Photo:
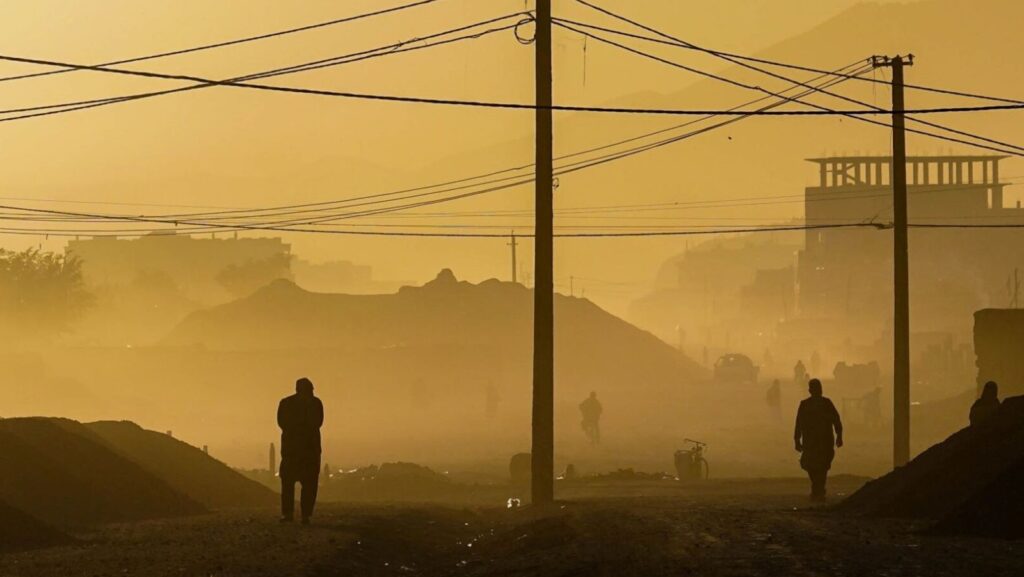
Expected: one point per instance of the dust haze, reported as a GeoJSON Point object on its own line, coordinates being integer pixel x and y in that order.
{"type": "Point", "coordinates": [173, 265]}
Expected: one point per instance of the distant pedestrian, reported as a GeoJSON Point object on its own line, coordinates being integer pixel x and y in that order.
{"type": "Point", "coordinates": [300, 417]}
{"type": "Point", "coordinates": [986, 405]}
{"type": "Point", "coordinates": [815, 421]}
{"type": "Point", "coordinates": [591, 410]}
{"type": "Point", "coordinates": [799, 373]}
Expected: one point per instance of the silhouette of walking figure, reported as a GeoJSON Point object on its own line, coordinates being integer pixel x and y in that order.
{"type": "Point", "coordinates": [591, 411]}
{"type": "Point", "coordinates": [986, 405]}
{"type": "Point", "coordinates": [815, 420]}
{"type": "Point", "coordinates": [300, 417]}
{"type": "Point", "coordinates": [799, 372]}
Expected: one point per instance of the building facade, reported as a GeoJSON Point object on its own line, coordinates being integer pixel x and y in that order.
{"type": "Point", "coordinates": [846, 273]}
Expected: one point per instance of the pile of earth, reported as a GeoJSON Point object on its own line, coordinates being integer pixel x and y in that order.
{"type": "Point", "coordinates": [390, 481]}
{"type": "Point", "coordinates": [628, 475]}
{"type": "Point", "coordinates": [71, 475]}
{"type": "Point", "coordinates": [481, 326]}
{"type": "Point", "coordinates": [185, 468]}
{"type": "Point", "coordinates": [20, 531]}
{"type": "Point", "coordinates": [971, 483]}
{"type": "Point", "coordinates": [58, 471]}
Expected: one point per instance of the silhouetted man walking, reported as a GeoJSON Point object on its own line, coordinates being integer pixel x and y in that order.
{"type": "Point", "coordinates": [815, 421]}
{"type": "Point", "coordinates": [591, 410]}
{"type": "Point", "coordinates": [300, 417]}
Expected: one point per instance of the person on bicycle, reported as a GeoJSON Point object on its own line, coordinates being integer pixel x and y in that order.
{"type": "Point", "coordinates": [816, 418]}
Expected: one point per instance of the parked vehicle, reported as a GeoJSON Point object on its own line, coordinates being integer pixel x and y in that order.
{"type": "Point", "coordinates": [735, 368]}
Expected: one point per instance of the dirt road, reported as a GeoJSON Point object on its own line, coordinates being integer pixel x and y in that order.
{"type": "Point", "coordinates": [725, 528]}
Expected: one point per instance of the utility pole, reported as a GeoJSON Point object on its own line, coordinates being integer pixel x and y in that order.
{"type": "Point", "coordinates": [901, 274]}
{"type": "Point", "coordinates": [512, 243]}
{"type": "Point", "coordinates": [542, 487]}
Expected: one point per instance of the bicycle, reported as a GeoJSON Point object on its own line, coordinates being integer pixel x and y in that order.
{"type": "Point", "coordinates": [690, 463]}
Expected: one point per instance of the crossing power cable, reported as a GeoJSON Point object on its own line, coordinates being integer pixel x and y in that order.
{"type": "Point", "coordinates": [582, 165]}
{"type": "Point", "coordinates": [388, 209]}
{"type": "Point", "coordinates": [404, 46]}
{"type": "Point", "coordinates": [496, 104]}
{"type": "Point", "coordinates": [484, 175]}
{"type": "Point", "coordinates": [234, 214]}
{"type": "Point", "coordinates": [461, 180]}
{"type": "Point", "coordinates": [720, 53]}
{"type": "Point", "coordinates": [1018, 152]}
{"type": "Point", "coordinates": [568, 24]}
{"type": "Point", "coordinates": [562, 170]}
{"type": "Point", "coordinates": [236, 41]}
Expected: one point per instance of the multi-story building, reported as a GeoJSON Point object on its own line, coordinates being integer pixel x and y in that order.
{"type": "Point", "coordinates": [845, 274]}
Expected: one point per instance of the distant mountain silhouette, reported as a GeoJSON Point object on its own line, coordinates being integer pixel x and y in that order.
{"type": "Point", "coordinates": [477, 320]}
{"type": "Point", "coordinates": [60, 472]}
{"type": "Point", "coordinates": [21, 531]}
{"type": "Point", "coordinates": [185, 468]}
{"type": "Point", "coordinates": [957, 43]}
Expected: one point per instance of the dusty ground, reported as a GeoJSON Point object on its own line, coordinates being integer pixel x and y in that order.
{"type": "Point", "coordinates": [722, 528]}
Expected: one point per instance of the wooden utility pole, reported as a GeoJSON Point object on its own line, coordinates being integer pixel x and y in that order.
{"type": "Point", "coordinates": [512, 243]}
{"type": "Point", "coordinates": [901, 273]}
{"type": "Point", "coordinates": [543, 450]}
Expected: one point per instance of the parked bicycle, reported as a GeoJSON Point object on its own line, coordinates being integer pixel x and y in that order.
{"type": "Point", "coordinates": [690, 462]}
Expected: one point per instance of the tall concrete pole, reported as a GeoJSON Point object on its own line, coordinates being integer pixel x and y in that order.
{"type": "Point", "coordinates": [543, 450]}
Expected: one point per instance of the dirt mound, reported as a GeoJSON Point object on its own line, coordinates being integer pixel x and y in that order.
{"type": "Point", "coordinates": [58, 471]}
{"type": "Point", "coordinates": [185, 468]}
{"type": "Point", "coordinates": [391, 481]}
{"type": "Point", "coordinates": [971, 481]}
{"type": "Point", "coordinates": [995, 511]}
{"type": "Point", "coordinates": [20, 531]}
{"type": "Point", "coordinates": [472, 328]}
{"type": "Point", "coordinates": [628, 475]}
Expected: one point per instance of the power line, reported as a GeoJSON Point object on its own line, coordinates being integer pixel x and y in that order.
{"type": "Point", "coordinates": [562, 157]}
{"type": "Point", "coordinates": [80, 217]}
{"type": "Point", "coordinates": [486, 175]}
{"type": "Point", "coordinates": [233, 42]}
{"type": "Point", "coordinates": [277, 211]}
{"type": "Point", "coordinates": [576, 166]}
{"type": "Point", "coordinates": [565, 23]}
{"type": "Point", "coordinates": [681, 43]}
{"type": "Point", "coordinates": [582, 165]}
{"type": "Point", "coordinates": [644, 233]}
{"type": "Point", "coordinates": [811, 69]}
{"type": "Point", "coordinates": [498, 105]}
{"type": "Point", "coordinates": [380, 51]}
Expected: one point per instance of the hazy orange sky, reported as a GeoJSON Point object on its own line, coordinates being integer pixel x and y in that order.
{"type": "Point", "coordinates": [234, 147]}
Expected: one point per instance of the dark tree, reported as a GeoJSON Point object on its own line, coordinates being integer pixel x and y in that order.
{"type": "Point", "coordinates": [41, 293]}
